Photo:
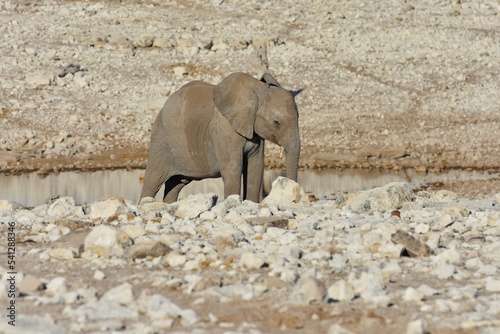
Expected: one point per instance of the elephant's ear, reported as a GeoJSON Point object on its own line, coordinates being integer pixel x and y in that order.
{"type": "Point", "coordinates": [236, 100]}
{"type": "Point", "coordinates": [269, 79]}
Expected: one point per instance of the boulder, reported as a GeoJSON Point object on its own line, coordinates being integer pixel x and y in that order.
{"type": "Point", "coordinates": [106, 241]}
{"type": "Point", "coordinates": [389, 197]}
{"type": "Point", "coordinates": [194, 205]}
{"type": "Point", "coordinates": [107, 209]}
{"type": "Point", "coordinates": [62, 207]}
{"type": "Point", "coordinates": [287, 193]}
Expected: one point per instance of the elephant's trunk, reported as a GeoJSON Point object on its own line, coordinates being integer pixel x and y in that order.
{"type": "Point", "coordinates": [292, 154]}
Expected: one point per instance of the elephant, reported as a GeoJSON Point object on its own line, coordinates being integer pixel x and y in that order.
{"type": "Point", "coordinates": [209, 131]}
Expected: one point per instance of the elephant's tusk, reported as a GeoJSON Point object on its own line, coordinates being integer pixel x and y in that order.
{"type": "Point", "coordinates": [282, 150]}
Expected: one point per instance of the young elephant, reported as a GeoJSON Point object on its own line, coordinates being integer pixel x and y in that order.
{"type": "Point", "coordinates": [207, 131]}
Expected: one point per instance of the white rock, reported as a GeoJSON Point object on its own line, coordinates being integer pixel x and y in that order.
{"type": "Point", "coordinates": [389, 197]}
{"type": "Point", "coordinates": [412, 295]}
{"type": "Point", "coordinates": [444, 271]}
{"type": "Point", "coordinates": [56, 287]}
{"type": "Point", "coordinates": [81, 296]}
{"type": "Point", "coordinates": [62, 207]}
{"type": "Point", "coordinates": [32, 324]}
{"type": "Point", "coordinates": [107, 209]}
{"type": "Point", "coordinates": [134, 231]}
{"type": "Point", "coordinates": [159, 307]}
{"type": "Point", "coordinates": [121, 294]}
{"type": "Point", "coordinates": [415, 327]}
{"type": "Point", "coordinates": [422, 228]}
{"type": "Point", "coordinates": [106, 241]}
{"type": "Point", "coordinates": [338, 262]}
{"type": "Point", "coordinates": [337, 329]}
{"type": "Point", "coordinates": [251, 261]}
{"type": "Point", "coordinates": [99, 275]}
{"type": "Point", "coordinates": [180, 71]}
{"type": "Point", "coordinates": [62, 253]}
{"type": "Point", "coordinates": [427, 291]}
{"type": "Point", "coordinates": [309, 290]}
{"type": "Point", "coordinates": [446, 220]}
{"type": "Point", "coordinates": [40, 79]}
{"type": "Point", "coordinates": [104, 310]}
{"type": "Point", "coordinates": [341, 291]}
{"type": "Point", "coordinates": [492, 285]}
{"type": "Point", "coordinates": [194, 205]}
{"type": "Point", "coordinates": [287, 193]}
{"type": "Point", "coordinates": [449, 256]}
{"type": "Point", "coordinates": [174, 259]}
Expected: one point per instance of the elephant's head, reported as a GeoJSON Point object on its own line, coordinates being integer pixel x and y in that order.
{"type": "Point", "coordinates": [264, 108]}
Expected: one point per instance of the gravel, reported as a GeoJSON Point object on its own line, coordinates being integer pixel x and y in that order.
{"type": "Point", "coordinates": [209, 265]}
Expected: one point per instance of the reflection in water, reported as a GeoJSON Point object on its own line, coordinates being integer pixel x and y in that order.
{"type": "Point", "coordinates": [31, 190]}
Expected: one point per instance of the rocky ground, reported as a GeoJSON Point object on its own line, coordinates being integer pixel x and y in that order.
{"type": "Point", "coordinates": [385, 260]}
{"type": "Point", "coordinates": [392, 84]}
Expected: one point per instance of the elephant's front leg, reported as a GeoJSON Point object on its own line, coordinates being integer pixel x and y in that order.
{"type": "Point", "coordinates": [253, 174]}
{"type": "Point", "coordinates": [231, 167]}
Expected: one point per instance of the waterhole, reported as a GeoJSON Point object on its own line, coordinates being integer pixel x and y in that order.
{"type": "Point", "coordinates": [31, 189]}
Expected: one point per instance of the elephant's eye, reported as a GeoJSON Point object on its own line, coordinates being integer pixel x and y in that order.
{"type": "Point", "coordinates": [276, 124]}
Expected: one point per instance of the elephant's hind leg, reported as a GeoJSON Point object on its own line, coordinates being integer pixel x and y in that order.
{"type": "Point", "coordinates": [154, 178]}
{"type": "Point", "coordinates": [173, 187]}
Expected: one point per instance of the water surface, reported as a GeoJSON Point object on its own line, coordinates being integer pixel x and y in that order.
{"type": "Point", "coordinates": [31, 189]}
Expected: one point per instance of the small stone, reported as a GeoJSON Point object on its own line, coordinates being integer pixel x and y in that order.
{"type": "Point", "coordinates": [33, 324]}
{"type": "Point", "coordinates": [337, 329]}
{"type": "Point", "coordinates": [105, 310]}
{"type": "Point", "coordinates": [415, 327]}
{"type": "Point", "coordinates": [174, 259]}
{"type": "Point", "coordinates": [133, 230]}
{"type": "Point", "coordinates": [492, 285]}
{"type": "Point", "coordinates": [30, 284]}
{"type": "Point", "coordinates": [62, 207]}
{"type": "Point", "coordinates": [99, 275]}
{"type": "Point", "coordinates": [413, 246]}
{"type": "Point", "coordinates": [412, 295]}
{"type": "Point", "coordinates": [40, 79]}
{"type": "Point", "coordinates": [121, 294]}
{"type": "Point", "coordinates": [153, 249]}
{"type": "Point", "coordinates": [422, 228]}
{"type": "Point", "coordinates": [107, 242]}
{"type": "Point", "coordinates": [309, 290]}
{"type": "Point", "coordinates": [341, 291]}
{"type": "Point", "coordinates": [446, 220]}
{"type": "Point", "coordinates": [159, 307]}
{"type": "Point", "coordinates": [62, 253]}
{"type": "Point", "coordinates": [273, 221]}
{"type": "Point", "coordinates": [56, 287]}
{"type": "Point", "coordinates": [180, 71]}
{"type": "Point", "coordinates": [250, 261]}
{"type": "Point", "coordinates": [444, 272]}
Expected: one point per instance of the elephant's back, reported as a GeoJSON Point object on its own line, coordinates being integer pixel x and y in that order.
{"type": "Point", "coordinates": [191, 99]}
{"type": "Point", "coordinates": [184, 126]}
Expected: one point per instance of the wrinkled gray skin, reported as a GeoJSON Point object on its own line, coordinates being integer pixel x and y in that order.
{"type": "Point", "coordinates": [207, 131]}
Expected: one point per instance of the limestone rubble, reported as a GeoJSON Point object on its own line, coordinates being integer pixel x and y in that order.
{"type": "Point", "coordinates": [197, 268]}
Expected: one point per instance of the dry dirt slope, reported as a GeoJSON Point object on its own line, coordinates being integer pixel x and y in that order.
{"type": "Point", "coordinates": [386, 84]}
